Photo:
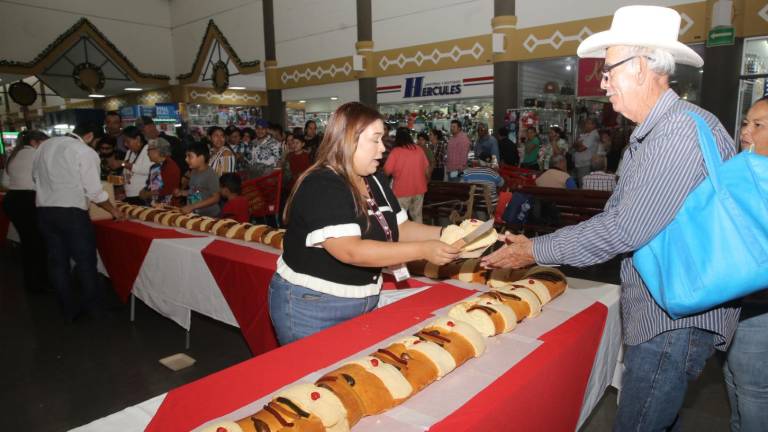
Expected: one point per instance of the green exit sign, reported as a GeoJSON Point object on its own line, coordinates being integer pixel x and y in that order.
{"type": "Point", "coordinates": [721, 36]}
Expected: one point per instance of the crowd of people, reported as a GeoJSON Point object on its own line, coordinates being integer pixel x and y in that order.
{"type": "Point", "coordinates": [59, 181]}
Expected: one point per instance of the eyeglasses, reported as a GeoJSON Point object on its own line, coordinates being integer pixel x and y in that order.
{"type": "Point", "coordinates": [608, 68]}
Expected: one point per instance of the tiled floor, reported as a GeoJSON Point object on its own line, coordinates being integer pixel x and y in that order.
{"type": "Point", "coordinates": [56, 376]}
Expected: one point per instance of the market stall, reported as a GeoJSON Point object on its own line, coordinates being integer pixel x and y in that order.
{"type": "Point", "coordinates": [432, 99]}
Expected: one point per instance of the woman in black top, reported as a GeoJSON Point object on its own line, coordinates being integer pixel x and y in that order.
{"type": "Point", "coordinates": [344, 226]}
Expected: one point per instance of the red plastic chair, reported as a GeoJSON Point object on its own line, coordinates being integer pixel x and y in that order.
{"type": "Point", "coordinates": [263, 195]}
{"type": "Point", "coordinates": [515, 176]}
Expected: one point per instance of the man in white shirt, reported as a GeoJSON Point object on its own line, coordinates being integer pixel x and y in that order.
{"type": "Point", "coordinates": [584, 148]}
{"type": "Point", "coordinates": [66, 174]}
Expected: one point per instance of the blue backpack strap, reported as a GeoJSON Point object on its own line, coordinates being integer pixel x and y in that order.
{"type": "Point", "coordinates": [708, 147]}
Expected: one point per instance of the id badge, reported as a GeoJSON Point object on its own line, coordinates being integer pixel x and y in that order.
{"type": "Point", "coordinates": [400, 272]}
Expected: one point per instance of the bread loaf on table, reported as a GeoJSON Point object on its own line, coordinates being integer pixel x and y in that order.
{"type": "Point", "coordinates": [256, 233]}
{"type": "Point", "coordinates": [237, 232]}
{"type": "Point", "coordinates": [274, 238]}
{"type": "Point", "coordinates": [200, 223]}
{"type": "Point", "coordinates": [424, 268]}
{"type": "Point", "coordinates": [367, 387]}
{"type": "Point", "coordinates": [343, 385]}
{"type": "Point", "coordinates": [540, 290]}
{"type": "Point", "coordinates": [553, 279]}
{"type": "Point", "coordinates": [526, 295]}
{"type": "Point", "coordinates": [221, 226]}
{"type": "Point", "coordinates": [421, 362]}
{"type": "Point", "coordinates": [518, 306]}
{"type": "Point", "coordinates": [193, 222]}
{"type": "Point", "coordinates": [147, 213]}
{"type": "Point", "coordinates": [169, 218]}
{"type": "Point", "coordinates": [467, 270]}
{"type": "Point", "coordinates": [490, 317]}
{"type": "Point", "coordinates": [394, 381]}
{"type": "Point", "coordinates": [416, 367]}
{"type": "Point", "coordinates": [377, 385]}
{"type": "Point", "coordinates": [453, 233]}
{"type": "Point", "coordinates": [471, 271]}
{"type": "Point", "coordinates": [182, 220]}
{"type": "Point", "coordinates": [301, 407]}
{"type": "Point", "coordinates": [503, 277]}
{"type": "Point", "coordinates": [158, 217]}
{"type": "Point", "coordinates": [460, 339]}
{"type": "Point", "coordinates": [135, 211]}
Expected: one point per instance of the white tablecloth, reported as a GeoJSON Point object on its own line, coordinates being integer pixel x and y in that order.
{"type": "Point", "coordinates": [174, 279]}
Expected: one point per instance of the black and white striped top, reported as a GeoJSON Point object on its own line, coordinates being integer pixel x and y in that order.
{"type": "Point", "coordinates": [324, 207]}
{"type": "Point", "coordinates": [662, 165]}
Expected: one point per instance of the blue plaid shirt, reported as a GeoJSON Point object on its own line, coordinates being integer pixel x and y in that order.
{"type": "Point", "coordinates": [244, 150]}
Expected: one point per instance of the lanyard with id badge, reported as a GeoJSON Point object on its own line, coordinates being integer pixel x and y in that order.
{"type": "Point", "coordinates": [400, 271]}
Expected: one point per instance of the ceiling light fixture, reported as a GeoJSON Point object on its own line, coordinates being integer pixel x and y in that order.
{"type": "Point", "coordinates": [133, 89]}
{"type": "Point", "coordinates": [568, 67]}
{"type": "Point", "coordinates": [236, 88]}
{"type": "Point", "coordinates": [97, 96]}
{"type": "Point", "coordinates": [302, 101]}
{"type": "Point", "coordinates": [334, 98]}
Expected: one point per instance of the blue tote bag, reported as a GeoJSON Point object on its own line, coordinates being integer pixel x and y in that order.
{"type": "Point", "coordinates": [716, 248]}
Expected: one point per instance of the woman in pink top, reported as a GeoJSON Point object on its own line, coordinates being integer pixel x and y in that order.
{"type": "Point", "coordinates": [409, 168]}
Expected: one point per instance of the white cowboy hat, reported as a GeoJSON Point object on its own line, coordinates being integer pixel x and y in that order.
{"type": "Point", "coordinates": [645, 26]}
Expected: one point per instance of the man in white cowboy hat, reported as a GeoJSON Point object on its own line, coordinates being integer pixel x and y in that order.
{"type": "Point", "coordinates": [663, 164]}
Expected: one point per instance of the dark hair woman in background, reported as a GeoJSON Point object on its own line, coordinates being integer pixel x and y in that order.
{"type": "Point", "coordinates": [311, 138]}
{"type": "Point", "coordinates": [19, 205]}
{"type": "Point", "coordinates": [136, 164]}
{"type": "Point", "coordinates": [222, 159]}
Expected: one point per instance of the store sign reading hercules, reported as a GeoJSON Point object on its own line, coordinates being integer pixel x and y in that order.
{"type": "Point", "coordinates": [415, 87]}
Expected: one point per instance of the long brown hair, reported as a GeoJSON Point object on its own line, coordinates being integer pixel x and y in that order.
{"type": "Point", "coordinates": [24, 139]}
{"type": "Point", "coordinates": [338, 148]}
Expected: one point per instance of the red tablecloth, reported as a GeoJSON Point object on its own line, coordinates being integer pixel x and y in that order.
{"type": "Point", "coordinates": [243, 276]}
{"type": "Point", "coordinates": [4, 222]}
{"type": "Point", "coordinates": [122, 247]}
{"type": "Point", "coordinates": [390, 283]}
{"type": "Point", "coordinates": [549, 382]}
{"type": "Point", "coordinates": [548, 386]}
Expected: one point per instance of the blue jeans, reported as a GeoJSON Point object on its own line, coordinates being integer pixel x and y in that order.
{"type": "Point", "coordinates": [298, 312]}
{"type": "Point", "coordinates": [656, 379]}
{"type": "Point", "coordinates": [69, 235]}
{"type": "Point", "coordinates": [746, 374]}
